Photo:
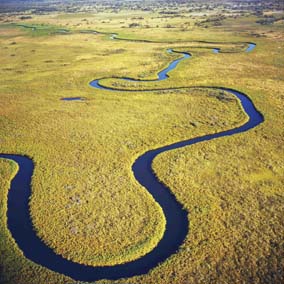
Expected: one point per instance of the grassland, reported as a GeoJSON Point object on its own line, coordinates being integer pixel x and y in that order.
{"type": "Point", "coordinates": [86, 204]}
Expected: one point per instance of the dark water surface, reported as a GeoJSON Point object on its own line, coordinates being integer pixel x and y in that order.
{"type": "Point", "coordinates": [73, 99]}
{"type": "Point", "coordinates": [177, 227]}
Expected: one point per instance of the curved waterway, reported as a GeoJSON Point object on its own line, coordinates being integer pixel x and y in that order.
{"type": "Point", "coordinates": [20, 223]}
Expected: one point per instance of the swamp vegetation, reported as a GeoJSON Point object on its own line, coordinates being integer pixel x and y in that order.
{"type": "Point", "coordinates": [85, 203]}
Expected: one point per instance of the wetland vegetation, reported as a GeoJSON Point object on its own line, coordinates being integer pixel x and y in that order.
{"type": "Point", "coordinates": [86, 204]}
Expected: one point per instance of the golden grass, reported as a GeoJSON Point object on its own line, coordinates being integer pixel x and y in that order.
{"type": "Point", "coordinates": [84, 194]}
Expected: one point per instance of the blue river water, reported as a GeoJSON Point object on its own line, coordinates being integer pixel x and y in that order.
{"type": "Point", "coordinates": [177, 225]}
{"type": "Point", "coordinates": [162, 75]}
{"type": "Point", "coordinates": [73, 99]}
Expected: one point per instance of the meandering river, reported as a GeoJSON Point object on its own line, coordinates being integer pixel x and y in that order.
{"type": "Point", "coordinates": [177, 225]}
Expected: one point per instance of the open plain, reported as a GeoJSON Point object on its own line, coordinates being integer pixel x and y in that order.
{"type": "Point", "coordinates": [86, 203]}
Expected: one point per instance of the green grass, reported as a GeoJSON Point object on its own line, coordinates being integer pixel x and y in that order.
{"type": "Point", "coordinates": [83, 191]}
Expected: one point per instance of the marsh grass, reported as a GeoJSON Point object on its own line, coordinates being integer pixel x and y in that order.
{"type": "Point", "coordinates": [85, 202]}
